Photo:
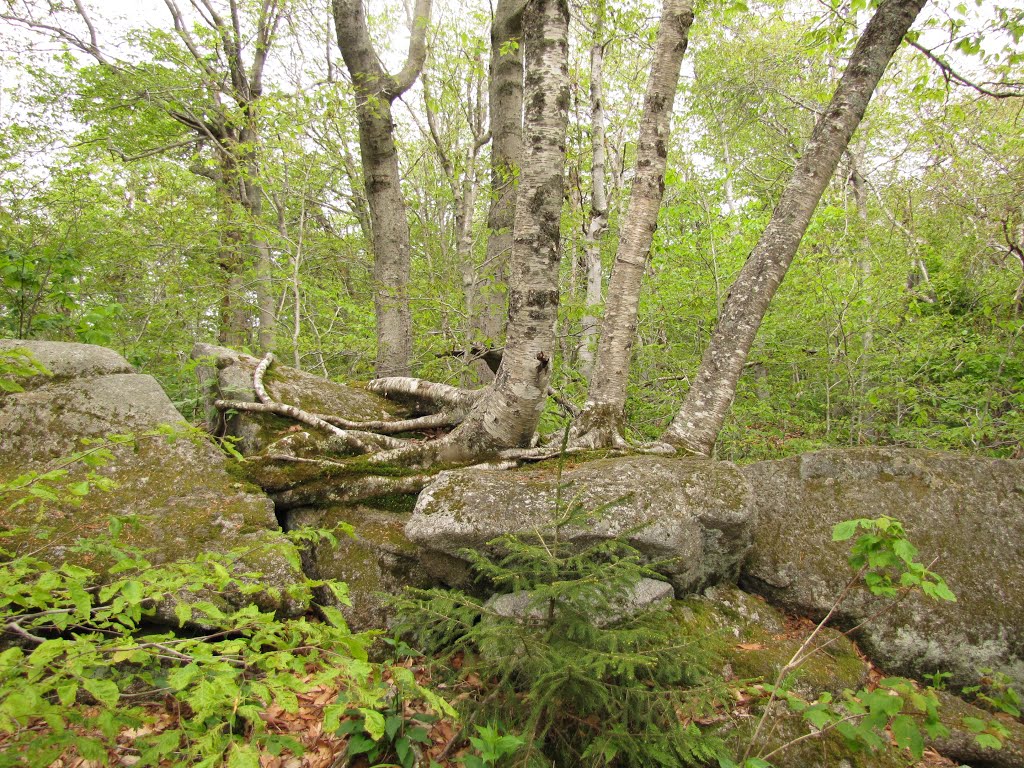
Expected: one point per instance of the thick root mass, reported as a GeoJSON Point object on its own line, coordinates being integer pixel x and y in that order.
{"type": "Point", "coordinates": [386, 464]}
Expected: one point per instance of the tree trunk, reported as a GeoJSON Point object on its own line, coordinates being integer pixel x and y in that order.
{"type": "Point", "coordinates": [598, 222]}
{"type": "Point", "coordinates": [375, 91]}
{"type": "Point", "coordinates": [508, 414]}
{"type": "Point", "coordinates": [600, 424]}
{"type": "Point", "coordinates": [696, 426]}
{"type": "Point", "coordinates": [505, 99]}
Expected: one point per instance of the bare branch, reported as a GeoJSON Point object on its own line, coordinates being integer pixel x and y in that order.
{"type": "Point", "coordinates": [951, 75]}
{"type": "Point", "coordinates": [417, 50]}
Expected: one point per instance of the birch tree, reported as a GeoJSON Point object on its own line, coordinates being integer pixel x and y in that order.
{"type": "Point", "coordinates": [601, 421]}
{"type": "Point", "coordinates": [505, 105]}
{"type": "Point", "coordinates": [695, 428]}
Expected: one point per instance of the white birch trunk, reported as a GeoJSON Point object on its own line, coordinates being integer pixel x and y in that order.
{"type": "Point", "coordinates": [600, 424]}
{"type": "Point", "coordinates": [598, 223]}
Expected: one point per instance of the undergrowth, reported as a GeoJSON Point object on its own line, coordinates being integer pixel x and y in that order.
{"type": "Point", "coordinates": [580, 680]}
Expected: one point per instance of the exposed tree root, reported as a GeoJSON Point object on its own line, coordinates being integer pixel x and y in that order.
{"type": "Point", "coordinates": [425, 394]}
{"type": "Point", "coordinates": [466, 446]}
{"type": "Point", "coordinates": [430, 421]}
{"type": "Point", "coordinates": [359, 441]}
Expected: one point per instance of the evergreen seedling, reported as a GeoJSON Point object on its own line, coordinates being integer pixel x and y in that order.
{"type": "Point", "coordinates": [579, 687]}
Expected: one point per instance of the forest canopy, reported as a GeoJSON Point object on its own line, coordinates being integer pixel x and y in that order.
{"type": "Point", "coordinates": [387, 190]}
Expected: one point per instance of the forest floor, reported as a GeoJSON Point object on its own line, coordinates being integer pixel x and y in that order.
{"type": "Point", "coordinates": [447, 737]}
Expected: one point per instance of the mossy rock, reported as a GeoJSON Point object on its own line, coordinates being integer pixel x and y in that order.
{"type": "Point", "coordinates": [180, 492]}
{"type": "Point", "coordinates": [759, 640]}
{"type": "Point", "coordinates": [968, 512]}
{"type": "Point", "coordinates": [377, 560]}
{"type": "Point", "coordinates": [756, 640]}
{"type": "Point", "coordinates": [690, 517]}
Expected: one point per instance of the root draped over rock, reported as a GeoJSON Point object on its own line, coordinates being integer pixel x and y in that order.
{"type": "Point", "coordinates": [435, 407]}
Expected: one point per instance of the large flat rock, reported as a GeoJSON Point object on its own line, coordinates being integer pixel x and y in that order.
{"type": "Point", "coordinates": [690, 516]}
{"type": "Point", "coordinates": [968, 512]}
{"type": "Point", "coordinates": [181, 491]}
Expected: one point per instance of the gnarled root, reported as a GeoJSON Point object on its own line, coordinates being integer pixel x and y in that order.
{"type": "Point", "coordinates": [356, 440]}
{"type": "Point", "coordinates": [426, 395]}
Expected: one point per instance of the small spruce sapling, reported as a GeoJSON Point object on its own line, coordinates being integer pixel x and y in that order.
{"type": "Point", "coordinates": [576, 690]}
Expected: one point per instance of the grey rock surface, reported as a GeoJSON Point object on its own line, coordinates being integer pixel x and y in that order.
{"type": "Point", "coordinates": [645, 595]}
{"type": "Point", "coordinates": [691, 517]}
{"type": "Point", "coordinates": [968, 512]}
{"type": "Point", "coordinates": [180, 490]}
{"type": "Point", "coordinates": [375, 561]}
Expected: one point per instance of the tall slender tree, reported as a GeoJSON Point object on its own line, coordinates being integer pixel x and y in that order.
{"type": "Point", "coordinates": [597, 220]}
{"type": "Point", "coordinates": [600, 424]}
{"type": "Point", "coordinates": [695, 428]}
{"type": "Point", "coordinates": [505, 105]}
{"type": "Point", "coordinates": [375, 91]}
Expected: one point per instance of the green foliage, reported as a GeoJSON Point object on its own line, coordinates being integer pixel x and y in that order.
{"type": "Point", "coordinates": [881, 557]}
{"type": "Point", "coordinates": [80, 652]}
{"type": "Point", "coordinates": [577, 687]}
{"type": "Point", "coordinates": [885, 557]}
{"type": "Point", "coordinates": [16, 364]}
{"type": "Point", "coordinates": [491, 747]}
{"type": "Point", "coordinates": [996, 693]}
{"type": "Point", "coordinates": [386, 735]}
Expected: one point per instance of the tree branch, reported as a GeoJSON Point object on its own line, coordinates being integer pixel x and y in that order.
{"type": "Point", "coordinates": [951, 75]}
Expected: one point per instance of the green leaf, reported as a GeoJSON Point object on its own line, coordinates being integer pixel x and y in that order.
{"type": "Point", "coordinates": [988, 741]}
{"type": "Point", "coordinates": [182, 677]}
{"type": "Point", "coordinates": [908, 735]}
{"type": "Point", "coordinates": [373, 724]}
{"type": "Point", "coordinates": [844, 530]}
{"type": "Point", "coordinates": [243, 756]}
{"type": "Point", "coordinates": [104, 691]}
{"type": "Point", "coordinates": [67, 692]}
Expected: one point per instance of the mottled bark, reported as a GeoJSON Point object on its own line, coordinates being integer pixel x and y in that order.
{"type": "Point", "coordinates": [375, 90]}
{"type": "Point", "coordinates": [696, 426]}
{"type": "Point", "coordinates": [505, 102]}
{"type": "Point", "coordinates": [598, 219]}
{"type": "Point", "coordinates": [508, 412]}
{"type": "Point", "coordinates": [601, 421]}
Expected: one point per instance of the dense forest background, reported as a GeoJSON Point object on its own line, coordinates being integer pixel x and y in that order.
{"type": "Point", "coordinates": [900, 321]}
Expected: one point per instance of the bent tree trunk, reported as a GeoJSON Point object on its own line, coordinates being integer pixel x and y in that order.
{"type": "Point", "coordinates": [375, 90]}
{"type": "Point", "coordinates": [696, 426]}
{"type": "Point", "coordinates": [600, 424]}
